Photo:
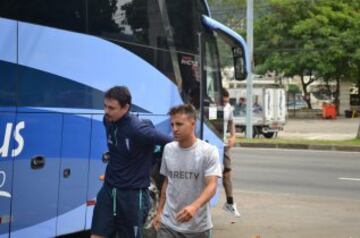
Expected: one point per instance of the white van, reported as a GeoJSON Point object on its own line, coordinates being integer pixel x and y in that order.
{"type": "Point", "coordinates": [269, 106]}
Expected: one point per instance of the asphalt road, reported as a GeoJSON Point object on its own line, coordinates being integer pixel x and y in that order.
{"type": "Point", "coordinates": [304, 172]}
{"type": "Point", "coordinates": [292, 193]}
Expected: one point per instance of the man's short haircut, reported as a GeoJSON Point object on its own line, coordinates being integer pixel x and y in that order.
{"type": "Point", "coordinates": [120, 94]}
{"type": "Point", "coordinates": [187, 109]}
{"type": "Point", "coordinates": [225, 92]}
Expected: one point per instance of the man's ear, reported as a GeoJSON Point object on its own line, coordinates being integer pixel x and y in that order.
{"type": "Point", "coordinates": [193, 122]}
{"type": "Point", "coordinates": [127, 107]}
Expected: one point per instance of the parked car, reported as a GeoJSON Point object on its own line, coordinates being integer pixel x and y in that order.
{"type": "Point", "coordinates": [291, 105]}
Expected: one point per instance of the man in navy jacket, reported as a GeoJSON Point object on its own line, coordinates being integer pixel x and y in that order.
{"type": "Point", "coordinates": [123, 201]}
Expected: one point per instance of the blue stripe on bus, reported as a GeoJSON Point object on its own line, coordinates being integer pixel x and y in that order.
{"type": "Point", "coordinates": [30, 133]}
{"type": "Point", "coordinates": [41, 89]}
{"type": "Point", "coordinates": [8, 40]}
{"type": "Point", "coordinates": [96, 63]}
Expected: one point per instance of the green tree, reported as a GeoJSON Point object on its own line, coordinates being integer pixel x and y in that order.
{"type": "Point", "coordinates": [303, 37]}
{"type": "Point", "coordinates": [293, 89]}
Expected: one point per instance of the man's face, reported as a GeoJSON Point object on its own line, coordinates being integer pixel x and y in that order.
{"type": "Point", "coordinates": [113, 110]}
{"type": "Point", "coordinates": [182, 126]}
{"type": "Point", "coordinates": [226, 100]}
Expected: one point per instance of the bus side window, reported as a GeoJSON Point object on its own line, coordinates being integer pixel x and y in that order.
{"type": "Point", "coordinates": [135, 25]}
{"type": "Point", "coordinates": [8, 9]}
{"type": "Point", "coordinates": [65, 14]}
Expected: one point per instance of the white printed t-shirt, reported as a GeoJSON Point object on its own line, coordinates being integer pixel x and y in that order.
{"type": "Point", "coordinates": [228, 118]}
{"type": "Point", "coordinates": [186, 169]}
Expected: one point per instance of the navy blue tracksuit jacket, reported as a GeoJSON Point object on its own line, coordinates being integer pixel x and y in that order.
{"type": "Point", "coordinates": [131, 143]}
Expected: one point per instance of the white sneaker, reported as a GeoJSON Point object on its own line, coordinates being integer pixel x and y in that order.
{"type": "Point", "coordinates": [231, 208]}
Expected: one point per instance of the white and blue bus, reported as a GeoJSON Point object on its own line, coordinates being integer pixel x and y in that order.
{"type": "Point", "coordinates": [56, 60]}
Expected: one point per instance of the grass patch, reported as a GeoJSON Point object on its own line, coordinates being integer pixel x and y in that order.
{"type": "Point", "coordinates": [353, 142]}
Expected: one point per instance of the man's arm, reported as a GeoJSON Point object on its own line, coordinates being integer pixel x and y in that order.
{"type": "Point", "coordinates": [232, 130]}
{"type": "Point", "coordinates": [189, 211]}
{"type": "Point", "coordinates": [157, 219]}
{"type": "Point", "coordinates": [148, 134]}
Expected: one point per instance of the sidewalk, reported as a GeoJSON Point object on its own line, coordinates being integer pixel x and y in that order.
{"type": "Point", "coordinates": [315, 129]}
{"type": "Point", "coordinates": [267, 215]}
{"type": "Point", "coordinates": [320, 129]}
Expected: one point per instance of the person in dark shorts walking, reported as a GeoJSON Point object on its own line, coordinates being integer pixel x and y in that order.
{"type": "Point", "coordinates": [123, 202]}
{"type": "Point", "coordinates": [229, 141]}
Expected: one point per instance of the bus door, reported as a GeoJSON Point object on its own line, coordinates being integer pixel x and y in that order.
{"type": "Point", "coordinates": [96, 165]}
{"type": "Point", "coordinates": [8, 127]}
{"type": "Point", "coordinates": [36, 174]}
{"type": "Point", "coordinates": [73, 173]}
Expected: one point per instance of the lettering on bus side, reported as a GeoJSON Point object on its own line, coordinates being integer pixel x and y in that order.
{"type": "Point", "coordinates": [16, 134]}
{"type": "Point", "coordinates": [2, 178]}
{"type": "Point", "coordinates": [3, 193]}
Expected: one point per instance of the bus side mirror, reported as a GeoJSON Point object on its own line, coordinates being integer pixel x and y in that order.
{"type": "Point", "coordinates": [240, 72]}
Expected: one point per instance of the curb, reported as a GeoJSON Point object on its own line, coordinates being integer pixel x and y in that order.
{"type": "Point", "coordinates": [300, 146]}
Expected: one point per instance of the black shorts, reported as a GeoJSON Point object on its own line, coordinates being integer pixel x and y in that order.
{"type": "Point", "coordinates": [120, 210]}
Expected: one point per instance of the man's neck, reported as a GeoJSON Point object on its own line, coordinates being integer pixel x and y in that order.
{"type": "Point", "coordinates": [188, 143]}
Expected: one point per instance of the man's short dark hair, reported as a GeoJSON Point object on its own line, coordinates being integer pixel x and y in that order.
{"type": "Point", "coordinates": [120, 94]}
{"type": "Point", "coordinates": [187, 109]}
{"type": "Point", "coordinates": [225, 92]}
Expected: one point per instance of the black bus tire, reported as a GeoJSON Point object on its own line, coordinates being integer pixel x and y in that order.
{"type": "Point", "coordinates": [269, 135]}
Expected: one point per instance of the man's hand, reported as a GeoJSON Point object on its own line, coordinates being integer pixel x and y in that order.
{"type": "Point", "coordinates": [186, 214]}
{"type": "Point", "coordinates": [156, 221]}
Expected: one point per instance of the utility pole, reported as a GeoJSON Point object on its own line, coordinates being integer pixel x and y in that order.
{"type": "Point", "coordinates": [249, 80]}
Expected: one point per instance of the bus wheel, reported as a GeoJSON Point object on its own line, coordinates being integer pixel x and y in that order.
{"type": "Point", "coordinates": [269, 135]}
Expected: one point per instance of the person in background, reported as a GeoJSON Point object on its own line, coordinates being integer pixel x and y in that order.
{"type": "Point", "coordinates": [257, 108]}
{"type": "Point", "coordinates": [240, 107]}
{"type": "Point", "coordinates": [229, 141]}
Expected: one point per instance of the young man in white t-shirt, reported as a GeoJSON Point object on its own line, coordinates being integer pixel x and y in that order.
{"type": "Point", "coordinates": [229, 141]}
{"type": "Point", "coordinates": [191, 168]}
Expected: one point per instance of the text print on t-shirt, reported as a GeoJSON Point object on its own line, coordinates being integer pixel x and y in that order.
{"type": "Point", "coordinates": [183, 175]}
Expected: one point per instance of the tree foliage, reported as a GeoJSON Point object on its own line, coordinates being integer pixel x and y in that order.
{"type": "Point", "coordinates": [307, 37]}
{"type": "Point", "coordinates": [293, 89]}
